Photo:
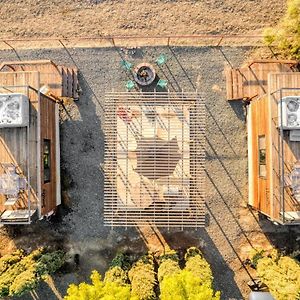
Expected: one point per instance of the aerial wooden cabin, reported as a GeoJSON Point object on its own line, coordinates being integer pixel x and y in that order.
{"type": "Point", "coordinates": [154, 159]}
{"type": "Point", "coordinates": [29, 141]}
{"type": "Point", "coordinates": [273, 126]}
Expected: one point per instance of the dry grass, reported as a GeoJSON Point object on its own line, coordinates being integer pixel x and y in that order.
{"type": "Point", "coordinates": [75, 18]}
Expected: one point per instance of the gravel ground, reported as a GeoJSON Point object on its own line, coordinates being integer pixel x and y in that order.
{"type": "Point", "coordinates": [79, 18]}
{"type": "Point", "coordinates": [232, 229]}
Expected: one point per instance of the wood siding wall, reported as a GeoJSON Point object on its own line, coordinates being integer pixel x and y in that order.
{"type": "Point", "coordinates": [48, 131]}
{"type": "Point", "coordinates": [259, 187]}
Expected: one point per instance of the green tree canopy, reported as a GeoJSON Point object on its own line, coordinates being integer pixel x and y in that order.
{"type": "Point", "coordinates": [286, 35]}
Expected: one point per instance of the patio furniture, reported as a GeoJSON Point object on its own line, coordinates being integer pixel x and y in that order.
{"type": "Point", "coordinates": [130, 85]}
{"type": "Point", "coordinates": [161, 60]}
{"type": "Point", "coordinates": [126, 65]}
{"type": "Point", "coordinates": [9, 184]}
{"type": "Point", "coordinates": [162, 83]}
{"type": "Point", "coordinates": [293, 181]}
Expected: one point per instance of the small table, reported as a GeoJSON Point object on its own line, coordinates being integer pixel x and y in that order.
{"type": "Point", "coordinates": [144, 74]}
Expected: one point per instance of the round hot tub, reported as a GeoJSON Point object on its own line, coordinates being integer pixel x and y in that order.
{"type": "Point", "coordinates": [144, 74]}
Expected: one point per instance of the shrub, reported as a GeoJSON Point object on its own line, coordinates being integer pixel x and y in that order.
{"type": "Point", "coordinates": [286, 35]}
{"type": "Point", "coordinates": [168, 265]}
{"type": "Point", "coordinates": [281, 275]}
{"type": "Point", "coordinates": [198, 266]}
{"type": "Point", "coordinates": [98, 290]}
{"type": "Point", "coordinates": [118, 271]}
{"type": "Point", "coordinates": [186, 286]}
{"type": "Point", "coordinates": [122, 261]}
{"type": "Point", "coordinates": [7, 260]}
{"type": "Point", "coordinates": [117, 275]}
{"type": "Point", "coordinates": [192, 283]}
{"type": "Point", "coordinates": [21, 273]}
{"type": "Point", "coordinates": [142, 278]}
{"type": "Point", "coordinates": [49, 263]}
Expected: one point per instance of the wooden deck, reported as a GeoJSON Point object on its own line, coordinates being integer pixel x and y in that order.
{"type": "Point", "coordinates": [62, 81]}
{"type": "Point", "coordinates": [251, 81]}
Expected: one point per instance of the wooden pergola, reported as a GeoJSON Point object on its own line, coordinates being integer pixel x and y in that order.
{"type": "Point", "coordinates": [154, 159]}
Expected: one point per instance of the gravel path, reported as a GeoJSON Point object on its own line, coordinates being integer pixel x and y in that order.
{"type": "Point", "coordinates": [81, 229]}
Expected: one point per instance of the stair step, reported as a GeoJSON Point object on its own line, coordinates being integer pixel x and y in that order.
{"type": "Point", "coordinates": [10, 201]}
{"type": "Point", "coordinates": [16, 215]}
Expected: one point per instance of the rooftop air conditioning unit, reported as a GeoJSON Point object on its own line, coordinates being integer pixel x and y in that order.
{"type": "Point", "coordinates": [14, 110]}
{"type": "Point", "coordinates": [289, 107]}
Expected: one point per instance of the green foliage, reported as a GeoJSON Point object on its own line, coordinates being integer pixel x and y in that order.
{"type": "Point", "coordinates": [21, 273]}
{"type": "Point", "coordinates": [142, 278]}
{"type": "Point", "coordinates": [98, 290]}
{"type": "Point", "coordinates": [49, 263]}
{"type": "Point", "coordinates": [255, 256]}
{"type": "Point", "coordinates": [281, 275]}
{"type": "Point", "coordinates": [121, 261]}
{"type": "Point", "coordinates": [117, 275]}
{"type": "Point", "coordinates": [198, 266]}
{"type": "Point", "coordinates": [24, 282]}
{"type": "Point", "coordinates": [186, 286]}
{"type": "Point", "coordinates": [286, 36]}
{"type": "Point", "coordinates": [168, 265]}
{"type": "Point", "coordinates": [192, 283]}
{"type": "Point", "coordinates": [7, 260]}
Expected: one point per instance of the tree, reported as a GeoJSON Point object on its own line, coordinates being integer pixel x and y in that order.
{"type": "Point", "coordinates": [142, 278]}
{"type": "Point", "coordinates": [98, 290]}
{"type": "Point", "coordinates": [168, 265]}
{"type": "Point", "coordinates": [20, 273]}
{"type": "Point", "coordinates": [192, 283]}
{"type": "Point", "coordinates": [281, 274]}
{"type": "Point", "coordinates": [118, 271]}
{"type": "Point", "coordinates": [286, 35]}
{"type": "Point", "coordinates": [186, 286]}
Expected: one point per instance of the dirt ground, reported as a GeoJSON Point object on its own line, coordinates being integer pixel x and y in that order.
{"type": "Point", "coordinates": [80, 18]}
{"type": "Point", "coordinates": [232, 229]}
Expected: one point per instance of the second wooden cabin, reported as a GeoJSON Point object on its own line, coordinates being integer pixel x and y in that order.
{"type": "Point", "coordinates": [273, 126]}
{"type": "Point", "coordinates": [29, 141]}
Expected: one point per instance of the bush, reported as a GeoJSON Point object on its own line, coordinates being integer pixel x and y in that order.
{"type": "Point", "coordinates": [198, 266]}
{"type": "Point", "coordinates": [192, 283]}
{"type": "Point", "coordinates": [49, 263]}
{"type": "Point", "coordinates": [281, 276]}
{"type": "Point", "coordinates": [21, 273]}
{"type": "Point", "coordinates": [98, 290]}
{"type": "Point", "coordinates": [117, 275]}
{"type": "Point", "coordinates": [286, 35]}
{"type": "Point", "coordinates": [186, 286]}
{"type": "Point", "coordinates": [168, 265]}
{"type": "Point", "coordinates": [118, 271]}
{"type": "Point", "coordinates": [7, 260]}
{"type": "Point", "coordinates": [142, 278]}
{"type": "Point", "coordinates": [122, 261]}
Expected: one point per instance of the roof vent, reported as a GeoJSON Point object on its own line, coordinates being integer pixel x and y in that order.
{"type": "Point", "coordinates": [14, 110]}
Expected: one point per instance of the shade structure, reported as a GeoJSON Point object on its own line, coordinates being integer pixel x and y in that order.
{"type": "Point", "coordinates": [154, 159]}
{"type": "Point", "coordinates": [157, 158]}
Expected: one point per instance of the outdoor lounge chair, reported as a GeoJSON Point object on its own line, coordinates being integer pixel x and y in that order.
{"type": "Point", "coordinates": [162, 83]}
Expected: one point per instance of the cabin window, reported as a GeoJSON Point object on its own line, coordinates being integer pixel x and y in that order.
{"type": "Point", "coordinates": [47, 161]}
{"type": "Point", "coordinates": [262, 155]}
